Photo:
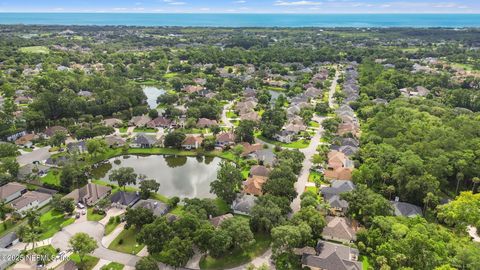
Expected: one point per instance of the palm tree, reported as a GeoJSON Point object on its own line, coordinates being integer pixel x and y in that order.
{"type": "Point", "coordinates": [475, 181]}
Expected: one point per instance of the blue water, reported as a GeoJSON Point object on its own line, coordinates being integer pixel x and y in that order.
{"type": "Point", "coordinates": [245, 20]}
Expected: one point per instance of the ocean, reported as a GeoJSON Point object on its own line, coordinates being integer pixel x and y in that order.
{"type": "Point", "coordinates": [245, 20]}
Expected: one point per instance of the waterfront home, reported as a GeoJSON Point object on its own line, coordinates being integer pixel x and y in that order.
{"type": "Point", "coordinates": [89, 194]}
{"type": "Point", "coordinates": [192, 142]}
{"type": "Point", "coordinates": [243, 204]}
{"type": "Point", "coordinates": [144, 141]}
{"type": "Point", "coordinates": [123, 199]}
{"type": "Point", "coordinates": [225, 139]}
{"type": "Point", "coordinates": [158, 208]}
{"type": "Point", "coordinates": [253, 185]}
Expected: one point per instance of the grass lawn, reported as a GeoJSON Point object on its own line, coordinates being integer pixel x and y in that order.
{"type": "Point", "coordinates": [35, 49]}
{"type": "Point", "coordinates": [46, 250]}
{"type": "Point", "coordinates": [365, 263]}
{"type": "Point", "coordinates": [93, 216]}
{"type": "Point", "coordinates": [170, 75]}
{"type": "Point", "coordinates": [297, 144]}
{"type": "Point", "coordinates": [146, 130]}
{"type": "Point", "coordinates": [112, 266]}
{"type": "Point", "coordinates": [111, 225]}
{"type": "Point", "coordinates": [51, 222]}
{"type": "Point", "coordinates": [314, 124]}
{"type": "Point", "coordinates": [51, 178]}
{"type": "Point", "coordinates": [238, 257]}
{"type": "Point", "coordinates": [123, 129]}
{"type": "Point", "coordinates": [232, 114]}
{"type": "Point", "coordinates": [223, 207]}
{"type": "Point", "coordinates": [314, 189]}
{"type": "Point", "coordinates": [6, 225]}
{"type": "Point", "coordinates": [126, 242]}
{"type": "Point", "coordinates": [89, 262]}
{"type": "Point", "coordinates": [314, 175]}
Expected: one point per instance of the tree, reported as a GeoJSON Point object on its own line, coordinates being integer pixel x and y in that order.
{"type": "Point", "coordinates": [153, 113]}
{"type": "Point", "coordinates": [8, 150]}
{"type": "Point", "coordinates": [312, 218]}
{"type": "Point", "coordinates": [82, 244]}
{"type": "Point", "coordinates": [202, 208]}
{"type": "Point", "coordinates": [228, 182]}
{"type": "Point", "coordinates": [155, 235]}
{"type": "Point", "coordinates": [239, 231]}
{"type": "Point", "coordinates": [266, 214]}
{"type": "Point", "coordinates": [220, 243]}
{"type": "Point", "coordinates": [146, 263]}
{"type": "Point", "coordinates": [5, 209]}
{"type": "Point", "coordinates": [62, 205]}
{"type": "Point", "coordinates": [364, 204]}
{"type": "Point", "coordinates": [459, 212]}
{"type": "Point", "coordinates": [177, 252]}
{"type": "Point", "coordinates": [287, 237]}
{"type": "Point", "coordinates": [58, 138]}
{"type": "Point", "coordinates": [272, 122]}
{"type": "Point", "coordinates": [138, 217]}
{"type": "Point", "coordinates": [147, 187]}
{"type": "Point", "coordinates": [174, 139]}
{"type": "Point", "coordinates": [123, 176]}
{"type": "Point", "coordinates": [244, 132]}
{"type": "Point", "coordinates": [96, 146]}
{"type": "Point", "coordinates": [73, 175]}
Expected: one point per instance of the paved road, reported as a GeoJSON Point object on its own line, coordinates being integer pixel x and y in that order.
{"type": "Point", "coordinates": [333, 88]}
{"type": "Point", "coordinates": [307, 164]}
{"type": "Point", "coordinates": [312, 150]}
{"type": "Point", "coordinates": [225, 119]}
{"type": "Point", "coordinates": [258, 261]}
{"type": "Point", "coordinates": [39, 154]}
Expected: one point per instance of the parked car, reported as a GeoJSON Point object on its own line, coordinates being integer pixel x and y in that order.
{"type": "Point", "coordinates": [80, 205]}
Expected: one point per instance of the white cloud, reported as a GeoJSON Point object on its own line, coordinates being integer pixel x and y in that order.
{"type": "Point", "coordinates": [240, 2]}
{"type": "Point", "coordinates": [173, 2]}
{"type": "Point", "coordinates": [205, 9]}
{"type": "Point", "coordinates": [297, 3]}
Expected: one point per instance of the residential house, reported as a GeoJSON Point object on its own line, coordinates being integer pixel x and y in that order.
{"type": "Point", "coordinates": [190, 89]}
{"type": "Point", "coordinates": [249, 149]}
{"type": "Point", "coordinates": [284, 136]}
{"type": "Point", "coordinates": [8, 240]}
{"type": "Point", "coordinates": [331, 194]}
{"type": "Point", "coordinates": [85, 94]}
{"type": "Point", "coordinates": [123, 199]}
{"type": "Point", "coordinates": [243, 204]}
{"type": "Point", "coordinates": [339, 229]}
{"type": "Point", "coordinates": [249, 92]}
{"type": "Point", "coordinates": [259, 170]}
{"type": "Point", "coordinates": [26, 140]}
{"type": "Point", "coordinates": [331, 256]}
{"type": "Point", "coordinates": [49, 132]}
{"type": "Point", "coordinates": [9, 257]}
{"type": "Point", "coordinates": [253, 185]}
{"type": "Point", "coordinates": [112, 122]}
{"type": "Point", "coordinates": [139, 121]}
{"type": "Point", "coordinates": [115, 141]}
{"type": "Point", "coordinates": [192, 142]}
{"type": "Point", "coordinates": [144, 141]}
{"type": "Point", "coordinates": [206, 123]}
{"type": "Point", "coordinates": [80, 147]}
{"type": "Point", "coordinates": [217, 221]}
{"type": "Point", "coordinates": [89, 194]}
{"type": "Point", "coordinates": [313, 92]}
{"type": "Point", "coordinates": [11, 191]}
{"type": "Point", "coordinates": [158, 208]}
{"type": "Point", "coordinates": [264, 156]}
{"type": "Point", "coordinates": [30, 200]}
{"type": "Point", "coordinates": [406, 209]}
{"type": "Point", "coordinates": [225, 139]}
{"type": "Point", "coordinates": [30, 170]}
{"type": "Point", "coordinates": [160, 122]}
{"type": "Point", "coordinates": [246, 106]}
{"type": "Point", "coordinates": [250, 116]}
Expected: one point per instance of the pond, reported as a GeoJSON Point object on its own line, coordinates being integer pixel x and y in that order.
{"type": "Point", "coordinates": [185, 177]}
{"type": "Point", "coordinates": [152, 94]}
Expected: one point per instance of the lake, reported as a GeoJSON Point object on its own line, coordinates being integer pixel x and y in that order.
{"type": "Point", "coordinates": [152, 94]}
{"type": "Point", "coordinates": [185, 177]}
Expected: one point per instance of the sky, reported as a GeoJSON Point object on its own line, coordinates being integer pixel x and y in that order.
{"type": "Point", "coordinates": [243, 6]}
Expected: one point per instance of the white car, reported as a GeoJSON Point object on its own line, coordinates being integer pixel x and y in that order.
{"type": "Point", "coordinates": [80, 205]}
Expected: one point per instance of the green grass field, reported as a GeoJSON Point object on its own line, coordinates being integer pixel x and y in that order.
{"type": "Point", "coordinates": [145, 130]}
{"type": "Point", "coordinates": [51, 178]}
{"type": "Point", "coordinates": [93, 216]}
{"type": "Point", "coordinates": [238, 257]}
{"type": "Point", "coordinates": [89, 262]}
{"type": "Point", "coordinates": [51, 222]}
{"type": "Point", "coordinates": [111, 225]}
{"type": "Point", "coordinates": [35, 50]}
{"type": "Point", "coordinates": [126, 242]}
{"type": "Point", "coordinates": [112, 266]}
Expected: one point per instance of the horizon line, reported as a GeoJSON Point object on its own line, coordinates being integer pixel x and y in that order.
{"type": "Point", "coordinates": [242, 13]}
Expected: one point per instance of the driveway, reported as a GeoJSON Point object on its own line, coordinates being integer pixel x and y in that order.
{"type": "Point", "coordinates": [40, 154]}
{"type": "Point", "coordinates": [333, 88]}
{"type": "Point", "coordinates": [92, 228]}
{"type": "Point", "coordinates": [225, 119]}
